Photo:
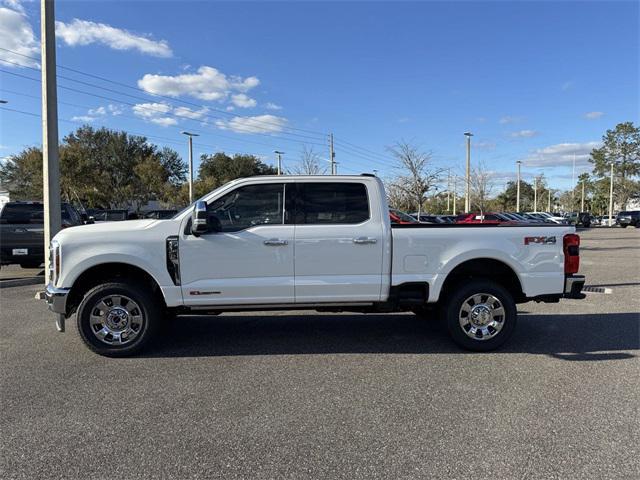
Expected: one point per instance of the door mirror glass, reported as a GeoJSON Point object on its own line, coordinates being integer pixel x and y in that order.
{"type": "Point", "coordinates": [199, 223]}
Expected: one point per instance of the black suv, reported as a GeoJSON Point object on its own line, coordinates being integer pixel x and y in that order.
{"type": "Point", "coordinates": [629, 218]}
{"type": "Point", "coordinates": [22, 232]}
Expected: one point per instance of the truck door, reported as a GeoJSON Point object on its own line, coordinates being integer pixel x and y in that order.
{"type": "Point", "coordinates": [338, 243]}
{"type": "Point", "coordinates": [251, 260]}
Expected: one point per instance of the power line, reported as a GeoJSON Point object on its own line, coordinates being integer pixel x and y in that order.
{"type": "Point", "coordinates": [153, 109]}
{"type": "Point", "coordinates": [185, 102]}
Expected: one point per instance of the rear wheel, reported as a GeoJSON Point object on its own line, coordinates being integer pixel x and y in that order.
{"type": "Point", "coordinates": [481, 315]}
{"type": "Point", "coordinates": [118, 319]}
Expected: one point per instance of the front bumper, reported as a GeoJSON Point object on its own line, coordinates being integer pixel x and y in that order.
{"type": "Point", "coordinates": [56, 298]}
{"type": "Point", "coordinates": [573, 285]}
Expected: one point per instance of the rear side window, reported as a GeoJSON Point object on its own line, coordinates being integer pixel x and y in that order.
{"type": "Point", "coordinates": [332, 203]}
{"type": "Point", "coordinates": [15, 213]}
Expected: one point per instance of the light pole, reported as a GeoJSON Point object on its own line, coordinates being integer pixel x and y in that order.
{"type": "Point", "coordinates": [519, 162]}
{"type": "Point", "coordinates": [535, 194]}
{"type": "Point", "coordinates": [279, 154]}
{"type": "Point", "coordinates": [467, 195]}
{"type": "Point", "coordinates": [582, 200]}
{"type": "Point", "coordinates": [449, 191]}
{"type": "Point", "coordinates": [190, 135]}
{"type": "Point", "coordinates": [549, 201]}
{"type": "Point", "coordinates": [611, 198]}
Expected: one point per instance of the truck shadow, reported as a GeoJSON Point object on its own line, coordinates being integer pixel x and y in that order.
{"type": "Point", "coordinates": [571, 337]}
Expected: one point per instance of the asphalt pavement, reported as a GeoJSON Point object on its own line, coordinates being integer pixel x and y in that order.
{"type": "Point", "coordinates": [296, 395]}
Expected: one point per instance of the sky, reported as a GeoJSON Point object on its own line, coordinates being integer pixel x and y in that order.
{"type": "Point", "coordinates": [538, 82]}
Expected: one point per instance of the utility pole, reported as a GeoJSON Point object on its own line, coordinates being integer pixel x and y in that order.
{"type": "Point", "coordinates": [573, 183]}
{"type": "Point", "coordinates": [467, 195]}
{"type": "Point", "coordinates": [50, 160]}
{"type": "Point", "coordinates": [611, 198]}
{"type": "Point", "coordinates": [582, 201]}
{"type": "Point", "coordinates": [279, 154]}
{"type": "Point", "coordinates": [455, 181]}
{"type": "Point", "coordinates": [549, 201]}
{"type": "Point", "coordinates": [535, 194]}
{"type": "Point", "coordinates": [332, 156]}
{"type": "Point", "coordinates": [190, 135]}
{"type": "Point", "coordinates": [519, 162]}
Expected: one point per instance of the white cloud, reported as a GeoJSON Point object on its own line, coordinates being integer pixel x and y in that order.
{"type": "Point", "coordinates": [17, 35]}
{"type": "Point", "coordinates": [207, 84]}
{"type": "Point", "coordinates": [98, 111]}
{"type": "Point", "coordinates": [242, 100]}
{"type": "Point", "coordinates": [561, 155]}
{"type": "Point", "coordinates": [272, 106]}
{"type": "Point", "coordinates": [115, 109]}
{"type": "Point", "coordinates": [155, 113]}
{"type": "Point", "coordinates": [593, 115]}
{"type": "Point", "coordinates": [524, 134]}
{"type": "Point", "coordinates": [510, 119]}
{"type": "Point", "coordinates": [163, 114]}
{"type": "Point", "coordinates": [83, 118]}
{"type": "Point", "coordinates": [164, 121]}
{"type": "Point", "coordinates": [189, 113]}
{"type": "Point", "coordinates": [84, 32]}
{"type": "Point", "coordinates": [257, 124]}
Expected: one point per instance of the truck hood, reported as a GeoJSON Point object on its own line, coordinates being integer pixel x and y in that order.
{"type": "Point", "coordinates": [105, 231]}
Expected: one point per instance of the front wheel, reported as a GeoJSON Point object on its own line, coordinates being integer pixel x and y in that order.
{"type": "Point", "coordinates": [481, 315]}
{"type": "Point", "coordinates": [118, 319]}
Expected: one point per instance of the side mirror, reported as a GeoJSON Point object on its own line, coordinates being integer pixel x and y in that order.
{"type": "Point", "coordinates": [199, 223]}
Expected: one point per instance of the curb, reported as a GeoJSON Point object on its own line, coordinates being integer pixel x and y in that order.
{"type": "Point", "coordinates": [20, 282]}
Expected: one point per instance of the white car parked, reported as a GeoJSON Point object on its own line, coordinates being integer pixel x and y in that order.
{"type": "Point", "coordinates": [297, 242]}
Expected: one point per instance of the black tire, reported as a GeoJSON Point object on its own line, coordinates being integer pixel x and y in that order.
{"type": "Point", "coordinates": [150, 308]}
{"type": "Point", "coordinates": [454, 303]}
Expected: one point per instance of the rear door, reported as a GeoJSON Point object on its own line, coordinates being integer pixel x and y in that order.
{"type": "Point", "coordinates": [338, 243]}
{"type": "Point", "coordinates": [22, 232]}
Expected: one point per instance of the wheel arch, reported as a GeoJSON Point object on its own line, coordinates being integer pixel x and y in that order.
{"type": "Point", "coordinates": [485, 268]}
{"type": "Point", "coordinates": [106, 272]}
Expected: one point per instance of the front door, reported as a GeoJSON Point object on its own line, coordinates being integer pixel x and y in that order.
{"type": "Point", "coordinates": [339, 244]}
{"type": "Point", "coordinates": [251, 260]}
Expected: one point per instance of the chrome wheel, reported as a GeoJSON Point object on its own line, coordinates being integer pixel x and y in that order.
{"type": "Point", "coordinates": [116, 320]}
{"type": "Point", "coordinates": [481, 316]}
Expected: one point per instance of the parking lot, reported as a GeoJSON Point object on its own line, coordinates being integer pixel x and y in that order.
{"type": "Point", "coordinates": [286, 395]}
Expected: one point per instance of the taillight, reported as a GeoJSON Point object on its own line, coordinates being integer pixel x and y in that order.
{"type": "Point", "coordinates": [571, 248]}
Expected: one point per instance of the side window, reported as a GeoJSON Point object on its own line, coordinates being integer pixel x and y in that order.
{"type": "Point", "coordinates": [333, 203]}
{"type": "Point", "coordinates": [249, 206]}
{"type": "Point", "coordinates": [490, 217]}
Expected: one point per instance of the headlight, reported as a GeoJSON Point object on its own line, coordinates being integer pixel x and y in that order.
{"type": "Point", "coordinates": [54, 262]}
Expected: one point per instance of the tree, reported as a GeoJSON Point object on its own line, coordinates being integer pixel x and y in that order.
{"type": "Point", "coordinates": [102, 167]}
{"type": "Point", "coordinates": [507, 199]}
{"type": "Point", "coordinates": [417, 176]}
{"type": "Point", "coordinates": [620, 146]}
{"type": "Point", "coordinates": [220, 168]}
{"type": "Point", "coordinates": [481, 186]}
{"type": "Point", "coordinates": [309, 163]}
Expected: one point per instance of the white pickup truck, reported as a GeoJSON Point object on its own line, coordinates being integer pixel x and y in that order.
{"type": "Point", "coordinates": [303, 242]}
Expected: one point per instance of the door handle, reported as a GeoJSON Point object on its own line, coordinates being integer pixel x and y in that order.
{"type": "Point", "coordinates": [275, 242]}
{"type": "Point", "coordinates": [364, 240]}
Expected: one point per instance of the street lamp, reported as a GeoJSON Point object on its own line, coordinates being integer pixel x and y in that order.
{"type": "Point", "coordinates": [190, 135]}
{"type": "Point", "coordinates": [519, 162]}
{"type": "Point", "coordinates": [279, 154]}
{"type": "Point", "coordinates": [611, 198]}
{"type": "Point", "coordinates": [467, 197]}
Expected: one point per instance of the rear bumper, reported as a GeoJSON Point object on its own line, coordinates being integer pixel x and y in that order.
{"type": "Point", "coordinates": [56, 298]}
{"type": "Point", "coordinates": [573, 285]}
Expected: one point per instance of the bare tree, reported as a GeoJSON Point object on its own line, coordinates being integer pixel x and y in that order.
{"type": "Point", "coordinates": [417, 175]}
{"type": "Point", "coordinates": [482, 184]}
{"type": "Point", "coordinates": [309, 163]}
{"type": "Point", "coordinates": [397, 196]}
